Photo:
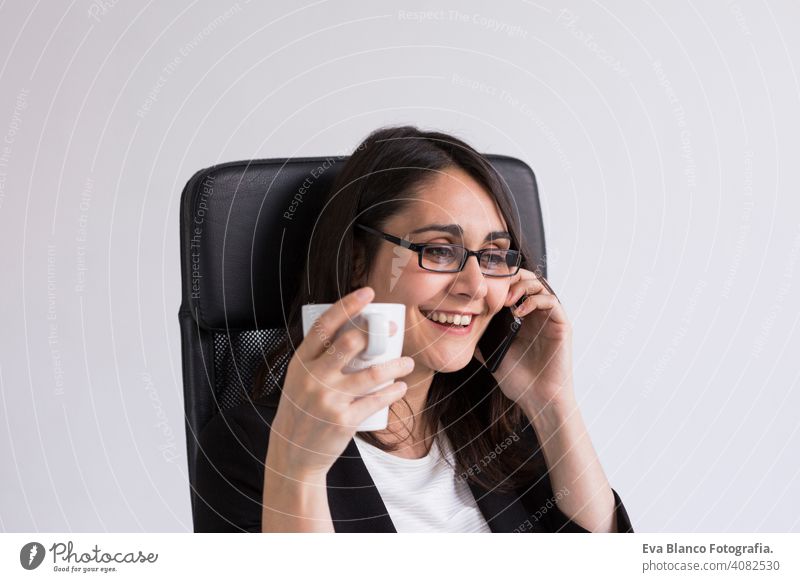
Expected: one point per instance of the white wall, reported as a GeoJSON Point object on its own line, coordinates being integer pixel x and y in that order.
{"type": "Point", "coordinates": [664, 137]}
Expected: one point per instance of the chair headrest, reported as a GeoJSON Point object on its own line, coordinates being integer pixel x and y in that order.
{"type": "Point", "coordinates": [246, 226]}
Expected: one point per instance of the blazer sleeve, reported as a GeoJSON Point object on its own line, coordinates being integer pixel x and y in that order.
{"type": "Point", "coordinates": [229, 479]}
{"type": "Point", "coordinates": [547, 517]}
{"type": "Point", "coordinates": [559, 522]}
{"type": "Point", "coordinates": [540, 500]}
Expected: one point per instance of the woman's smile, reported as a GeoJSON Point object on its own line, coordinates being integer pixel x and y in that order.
{"type": "Point", "coordinates": [452, 328]}
{"type": "Point", "coordinates": [451, 322]}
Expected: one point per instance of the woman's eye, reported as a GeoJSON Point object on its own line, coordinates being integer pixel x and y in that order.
{"type": "Point", "coordinates": [494, 259]}
{"type": "Point", "coordinates": [441, 251]}
{"type": "Point", "coordinates": [439, 255]}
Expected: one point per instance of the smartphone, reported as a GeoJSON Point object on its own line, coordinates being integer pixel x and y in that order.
{"type": "Point", "coordinates": [502, 330]}
{"type": "Point", "coordinates": [499, 334]}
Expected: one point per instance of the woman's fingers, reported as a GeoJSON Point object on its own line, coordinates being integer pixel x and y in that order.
{"type": "Point", "coordinates": [541, 302]}
{"type": "Point", "coordinates": [346, 348]}
{"type": "Point", "coordinates": [364, 381]}
{"type": "Point", "coordinates": [529, 284]}
{"type": "Point", "coordinates": [524, 287]}
{"type": "Point", "coordinates": [365, 407]}
{"type": "Point", "coordinates": [342, 351]}
{"type": "Point", "coordinates": [320, 336]}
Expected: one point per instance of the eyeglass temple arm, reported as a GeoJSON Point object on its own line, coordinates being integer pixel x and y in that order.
{"type": "Point", "coordinates": [547, 286]}
{"type": "Point", "coordinates": [389, 237]}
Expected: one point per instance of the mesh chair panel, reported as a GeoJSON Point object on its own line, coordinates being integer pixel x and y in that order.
{"type": "Point", "coordinates": [237, 357]}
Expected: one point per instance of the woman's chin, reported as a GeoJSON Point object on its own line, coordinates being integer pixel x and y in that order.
{"type": "Point", "coordinates": [447, 363]}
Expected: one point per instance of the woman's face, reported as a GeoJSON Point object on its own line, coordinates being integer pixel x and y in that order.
{"type": "Point", "coordinates": [453, 198]}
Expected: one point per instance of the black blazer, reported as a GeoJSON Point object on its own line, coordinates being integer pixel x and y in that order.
{"type": "Point", "coordinates": [230, 480]}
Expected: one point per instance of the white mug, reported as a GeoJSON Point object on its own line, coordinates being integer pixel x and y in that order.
{"type": "Point", "coordinates": [375, 318]}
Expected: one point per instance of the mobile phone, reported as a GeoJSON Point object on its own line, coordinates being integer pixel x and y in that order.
{"type": "Point", "coordinates": [502, 330]}
{"type": "Point", "coordinates": [499, 334]}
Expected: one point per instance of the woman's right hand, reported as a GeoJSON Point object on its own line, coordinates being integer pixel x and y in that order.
{"type": "Point", "coordinates": [319, 409]}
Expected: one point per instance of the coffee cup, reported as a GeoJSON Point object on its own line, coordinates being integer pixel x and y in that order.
{"type": "Point", "coordinates": [375, 319]}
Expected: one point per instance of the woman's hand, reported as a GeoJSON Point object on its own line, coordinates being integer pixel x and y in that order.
{"type": "Point", "coordinates": [537, 369]}
{"type": "Point", "coordinates": [321, 407]}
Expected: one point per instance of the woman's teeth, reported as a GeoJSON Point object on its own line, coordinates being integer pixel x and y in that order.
{"type": "Point", "coordinates": [463, 320]}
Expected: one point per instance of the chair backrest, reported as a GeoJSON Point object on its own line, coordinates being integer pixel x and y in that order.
{"type": "Point", "coordinates": [243, 228]}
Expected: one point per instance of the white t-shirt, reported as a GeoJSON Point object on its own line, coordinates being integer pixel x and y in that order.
{"type": "Point", "coordinates": [423, 495]}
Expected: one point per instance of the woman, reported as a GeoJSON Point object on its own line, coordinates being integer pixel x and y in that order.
{"type": "Point", "coordinates": [462, 450]}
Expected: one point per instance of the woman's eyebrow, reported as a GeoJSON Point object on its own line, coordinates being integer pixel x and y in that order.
{"type": "Point", "coordinates": [456, 230]}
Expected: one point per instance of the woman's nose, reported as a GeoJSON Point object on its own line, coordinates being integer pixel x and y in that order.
{"type": "Point", "coordinates": [471, 280]}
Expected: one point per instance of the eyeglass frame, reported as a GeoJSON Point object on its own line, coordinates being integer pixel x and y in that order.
{"type": "Point", "coordinates": [420, 247]}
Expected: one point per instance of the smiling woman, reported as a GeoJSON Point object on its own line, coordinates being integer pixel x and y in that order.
{"type": "Point", "coordinates": [404, 218]}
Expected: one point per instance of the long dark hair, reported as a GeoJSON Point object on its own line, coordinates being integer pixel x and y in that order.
{"type": "Point", "coordinates": [386, 171]}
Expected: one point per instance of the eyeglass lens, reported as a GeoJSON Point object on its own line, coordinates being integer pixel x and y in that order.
{"type": "Point", "coordinates": [448, 259]}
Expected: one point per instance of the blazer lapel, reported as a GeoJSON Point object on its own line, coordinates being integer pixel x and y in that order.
{"type": "Point", "coordinates": [356, 505]}
{"type": "Point", "coordinates": [504, 512]}
{"type": "Point", "coordinates": [354, 501]}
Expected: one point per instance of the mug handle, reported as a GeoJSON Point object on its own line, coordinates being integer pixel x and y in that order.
{"type": "Point", "coordinates": [378, 333]}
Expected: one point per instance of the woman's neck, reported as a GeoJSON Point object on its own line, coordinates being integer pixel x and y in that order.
{"type": "Point", "coordinates": [405, 416]}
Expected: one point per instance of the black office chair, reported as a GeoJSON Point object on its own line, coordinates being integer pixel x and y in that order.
{"type": "Point", "coordinates": [245, 228]}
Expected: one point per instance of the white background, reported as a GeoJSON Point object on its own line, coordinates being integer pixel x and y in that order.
{"type": "Point", "coordinates": [664, 136]}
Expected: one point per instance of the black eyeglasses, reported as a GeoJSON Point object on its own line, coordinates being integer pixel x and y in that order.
{"type": "Point", "coordinates": [447, 258]}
